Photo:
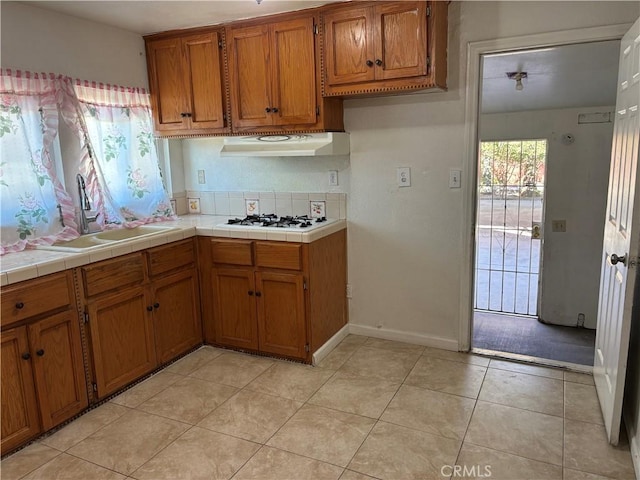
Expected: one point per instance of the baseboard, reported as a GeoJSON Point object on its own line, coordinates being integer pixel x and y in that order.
{"type": "Point", "coordinates": [634, 443]}
{"type": "Point", "coordinates": [402, 336]}
{"type": "Point", "coordinates": [329, 345]}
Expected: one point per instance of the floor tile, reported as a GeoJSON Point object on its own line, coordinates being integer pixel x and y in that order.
{"type": "Point", "coordinates": [147, 389]}
{"type": "Point", "coordinates": [274, 464]}
{"type": "Point", "coordinates": [128, 442]}
{"type": "Point", "coordinates": [194, 360]}
{"type": "Point", "coordinates": [199, 454]}
{"type": "Point", "coordinates": [392, 452]}
{"type": "Point", "coordinates": [581, 403]}
{"type": "Point", "coordinates": [323, 434]}
{"type": "Point", "coordinates": [351, 475]}
{"type": "Point", "coordinates": [251, 415]}
{"type": "Point", "coordinates": [448, 377]}
{"type": "Point", "coordinates": [524, 368]}
{"type": "Point", "coordinates": [26, 460]}
{"type": "Point", "coordinates": [188, 400]}
{"type": "Point", "coordinates": [432, 412]}
{"type": "Point", "coordinates": [84, 426]}
{"type": "Point", "coordinates": [338, 356]}
{"type": "Point", "coordinates": [586, 448]}
{"type": "Point", "coordinates": [520, 432]}
{"type": "Point", "coordinates": [456, 356]}
{"type": "Point", "coordinates": [354, 340]}
{"type": "Point", "coordinates": [68, 467]}
{"type": "Point", "coordinates": [233, 369]}
{"type": "Point", "coordinates": [394, 346]}
{"type": "Point", "coordinates": [289, 380]}
{"type": "Point", "coordinates": [379, 363]}
{"type": "Point", "coordinates": [520, 390]}
{"type": "Point", "coordinates": [365, 396]}
{"type": "Point", "coordinates": [578, 378]}
{"type": "Point", "coordinates": [486, 463]}
{"type": "Point", "coordinates": [570, 474]}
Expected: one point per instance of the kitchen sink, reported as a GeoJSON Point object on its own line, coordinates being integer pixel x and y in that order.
{"type": "Point", "coordinates": [102, 239]}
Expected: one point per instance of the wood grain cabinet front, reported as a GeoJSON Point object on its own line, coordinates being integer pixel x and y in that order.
{"type": "Point", "coordinates": [384, 47]}
{"type": "Point", "coordinates": [43, 377]}
{"type": "Point", "coordinates": [187, 83]}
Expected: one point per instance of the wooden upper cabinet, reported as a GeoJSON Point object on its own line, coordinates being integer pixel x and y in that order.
{"type": "Point", "coordinates": [378, 47]}
{"type": "Point", "coordinates": [186, 79]}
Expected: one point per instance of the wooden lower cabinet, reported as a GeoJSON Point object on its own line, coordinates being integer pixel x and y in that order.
{"type": "Point", "coordinates": [19, 407]}
{"type": "Point", "coordinates": [235, 308]}
{"type": "Point", "coordinates": [121, 339]}
{"type": "Point", "coordinates": [176, 314]}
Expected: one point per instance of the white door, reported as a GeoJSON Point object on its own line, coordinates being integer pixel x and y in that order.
{"type": "Point", "coordinates": [621, 238]}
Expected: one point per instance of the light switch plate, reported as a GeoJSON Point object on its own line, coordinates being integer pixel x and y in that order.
{"type": "Point", "coordinates": [333, 178]}
{"type": "Point", "coordinates": [454, 178]}
{"type": "Point", "coordinates": [404, 176]}
{"type": "Point", "coordinates": [201, 177]}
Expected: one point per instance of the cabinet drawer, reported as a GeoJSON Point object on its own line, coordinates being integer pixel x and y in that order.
{"type": "Point", "coordinates": [112, 274]}
{"type": "Point", "coordinates": [171, 257]}
{"type": "Point", "coordinates": [232, 252]}
{"type": "Point", "coordinates": [34, 297]}
{"type": "Point", "coordinates": [279, 255]}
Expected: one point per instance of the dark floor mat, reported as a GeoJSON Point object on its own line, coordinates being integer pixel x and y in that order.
{"type": "Point", "coordinates": [528, 336]}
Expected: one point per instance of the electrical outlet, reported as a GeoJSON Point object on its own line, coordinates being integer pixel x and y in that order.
{"type": "Point", "coordinates": [201, 178]}
{"type": "Point", "coordinates": [558, 225]}
{"type": "Point", "coordinates": [349, 291]}
{"type": "Point", "coordinates": [404, 176]}
{"type": "Point", "coordinates": [333, 178]}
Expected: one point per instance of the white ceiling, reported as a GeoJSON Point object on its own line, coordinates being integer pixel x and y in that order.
{"type": "Point", "coordinates": [580, 75]}
{"type": "Point", "coordinates": [146, 17]}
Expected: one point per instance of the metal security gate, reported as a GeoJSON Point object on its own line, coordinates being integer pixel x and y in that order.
{"type": "Point", "coordinates": [510, 200]}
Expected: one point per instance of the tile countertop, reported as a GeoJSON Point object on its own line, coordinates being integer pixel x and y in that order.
{"type": "Point", "coordinates": [20, 266]}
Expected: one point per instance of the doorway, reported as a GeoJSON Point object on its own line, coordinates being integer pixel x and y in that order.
{"type": "Point", "coordinates": [541, 181]}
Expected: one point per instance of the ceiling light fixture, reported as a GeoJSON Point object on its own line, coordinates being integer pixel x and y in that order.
{"type": "Point", "coordinates": [517, 76]}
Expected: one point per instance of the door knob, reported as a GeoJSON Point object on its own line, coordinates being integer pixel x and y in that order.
{"type": "Point", "coordinates": [615, 259]}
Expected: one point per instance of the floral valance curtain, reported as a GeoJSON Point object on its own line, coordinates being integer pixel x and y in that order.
{"type": "Point", "coordinates": [35, 208]}
{"type": "Point", "coordinates": [121, 164]}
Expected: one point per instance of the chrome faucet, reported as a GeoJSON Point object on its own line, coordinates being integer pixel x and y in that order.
{"type": "Point", "coordinates": [85, 206]}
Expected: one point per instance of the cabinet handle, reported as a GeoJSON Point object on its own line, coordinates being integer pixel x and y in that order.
{"type": "Point", "coordinates": [275, 109]}
{"type": "Point", "coordinates": [156, 305]}
{"type": "Point", "coordinates": [250, 292]}
{"type": "Point", "coordinates": [369, 63]}
{"type": "Point", "coordinates": [19, 305]}
{"type": "Point", "coordinates": [149, 308]}
{"type": "Point", "coordinates": [258, 294]}
{"type": "Point", "coordinates": [267, 109]}
{"type": "Point", "coordinates": [40, 352]}
{"type": "Point", "coordinates": [26, 356]}
{"type": "Point", "coordinates": [378, 62]}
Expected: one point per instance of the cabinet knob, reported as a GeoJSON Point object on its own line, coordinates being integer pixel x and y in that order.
{"type": "Point", "coordinates": [188, 114]}
{"type": "Point", "coordinates": [40, 352]}
{"type": "Point", "coordinates": [258, 294]}
{"type": "Point", "coordinates": [267, 109]}
{"type": "Point", "coordinates": [19, 305]}
{"type": "Point", "coordinates": [378, 62]}
{"type": "Point", "coordinates": [156, 305]}
{"type": "Point", "coordinates": [26, 356]}
{"type": "Point", "coordinates": [369, 63]}
{"type": "Point", "coordinates": [275, 109]}
{"type": "Point", "coordinates": [250, 292]}
{"type": "Point", "coordinates": [149, 308]}
{"type": "Point", "coordinates": [183, 115]}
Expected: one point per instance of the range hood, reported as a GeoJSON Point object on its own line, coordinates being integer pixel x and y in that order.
{"type": "Point", "coordinates": [294, 145]}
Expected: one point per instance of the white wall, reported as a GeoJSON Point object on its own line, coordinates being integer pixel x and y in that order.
{"type": "Point", "coordinates": [44, 41]}
{"type": "Point", "coordinates": [576, 191]}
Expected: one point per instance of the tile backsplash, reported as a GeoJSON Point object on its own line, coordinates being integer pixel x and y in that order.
{"type": "Point", "coordinates": [280, 203]}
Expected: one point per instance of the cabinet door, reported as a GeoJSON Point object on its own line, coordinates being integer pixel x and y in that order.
{"type": "Point", "coordinates": [348, 46]}
{"type": "Point", "coordinates": [281, 314]}
{"type": "Point", "coordinates": [250, 79]}
{"type": "Point", "coordinates": [294, 74]}
{"type": "Point", "coordinates": [401, 40]}
{"type": "Point", "coordinates": [19, 408]}
{"type": "Point", "coordinates": [176, 314]}
{"type": "Point", "coordinates": [203, 72]}
{"type": "Point", "coordinates": [57, 364]}
{"type": "Point", "coordinates": [235, 308]}
{"type": "Point", "coordinates": [121, 338]}
{"type": "Point", "coordinates": [167, 85]}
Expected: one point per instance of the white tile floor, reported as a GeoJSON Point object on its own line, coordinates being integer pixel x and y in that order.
{"type": "Point", "coordinates": [372, 409]}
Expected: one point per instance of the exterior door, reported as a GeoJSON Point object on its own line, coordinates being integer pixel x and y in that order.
{"type": "Point", "coordinates": [621, 237]}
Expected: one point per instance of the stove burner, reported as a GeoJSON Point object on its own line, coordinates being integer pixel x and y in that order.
{"type": "Point", "coordinates": [272, 220]}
